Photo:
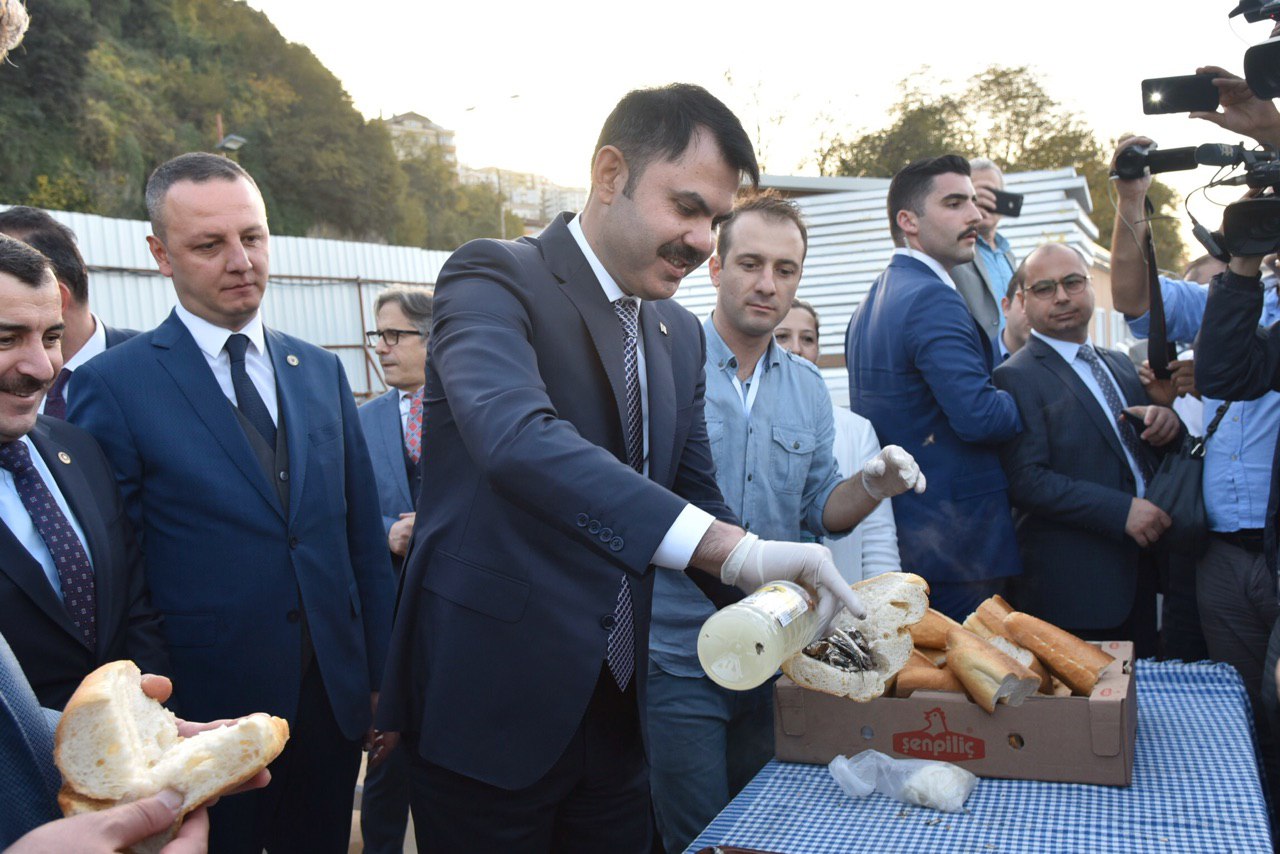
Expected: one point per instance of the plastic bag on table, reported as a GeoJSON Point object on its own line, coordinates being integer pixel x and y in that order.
{"type": "Point", "coordinates": [920, 782]}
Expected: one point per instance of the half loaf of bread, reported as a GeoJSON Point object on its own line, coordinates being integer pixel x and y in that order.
{"type": "Point", "coordinates": [1076, 662]}
{"type": "Point", "coordinates": [894, 601]}
{"type": "Point", "coordinates": [988, 674]}
{"type": "Point", "coordinates": [115, 745]}
{"type": "Point", "coordinates": [931, 631]}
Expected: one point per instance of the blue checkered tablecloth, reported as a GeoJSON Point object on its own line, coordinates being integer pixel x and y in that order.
{"type": "Point", "coordinates": [1195, 789]}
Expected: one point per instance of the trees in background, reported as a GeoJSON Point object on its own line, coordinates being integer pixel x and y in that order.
{"type": "Point", "coordinates": [1003, 114]}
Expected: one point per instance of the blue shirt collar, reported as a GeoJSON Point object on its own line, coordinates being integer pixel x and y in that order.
{"type": "Point", "coordinates": [719, 354]}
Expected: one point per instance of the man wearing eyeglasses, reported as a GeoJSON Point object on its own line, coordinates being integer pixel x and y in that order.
{"type": "Point", "coordinates": [392, 426]}
{"type": "Point", "coordinates": [1078, 471]}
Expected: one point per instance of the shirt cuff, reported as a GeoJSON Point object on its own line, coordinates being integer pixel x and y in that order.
{"type": "Point", "coordinates": [677, 547]}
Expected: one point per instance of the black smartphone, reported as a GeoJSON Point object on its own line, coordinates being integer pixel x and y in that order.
{"type": "Point", "coordinates": [1135, 421]}
{"type": "Point", "coordinates": [1190, 93]}
{"type": "Point", "coordinates": [1008, 204]}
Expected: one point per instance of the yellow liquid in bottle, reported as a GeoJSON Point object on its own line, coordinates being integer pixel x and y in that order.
{"type": "Point", "coordinates": [743, 645]}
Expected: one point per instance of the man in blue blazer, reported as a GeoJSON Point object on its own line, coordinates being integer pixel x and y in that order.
{"type": "Point", "coordinates": [393, 428]}
{"type": "Point", "coordinates": [566, 455]}
{"type": "Point", "coordinates": [920, 371]}
{"type": "Point", "coordinates": [1078, 471]}
{"type": "Point", "coordinates": [242, 463]}
{"type": "Point", "coordinates": [86, 335]}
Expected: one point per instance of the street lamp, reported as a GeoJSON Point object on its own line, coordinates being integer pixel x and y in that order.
{"type": "Point", "coordinates": [231, 142]}
{"type": "Point", "coordinates": [497, 171]}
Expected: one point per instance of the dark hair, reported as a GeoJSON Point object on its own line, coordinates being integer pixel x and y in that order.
{"type": "Point", "coordinates": [55, 241]}
{"type": "Point", "coordinates": [808, 306]}
{"type": "Point", "coordinates": [25, 264]}
{"type": "Point", "coordinates": [770, 204]}
{"type": "Point", "coordinates": [651, 123]}
{"type": "Point", "coordinates": [912, 184]}
{"type": "Point", "coordinates": [1017, 280]}
{"type": "Point", "coordinates": [197, 167]}
{"type": "Point", "coordinates": [415, 302]}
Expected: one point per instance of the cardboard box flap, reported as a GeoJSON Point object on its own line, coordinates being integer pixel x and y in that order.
{"type": "Point", "coordinates": [791, 710]}
{"type": "Point", "coordinates": [1105, 728]}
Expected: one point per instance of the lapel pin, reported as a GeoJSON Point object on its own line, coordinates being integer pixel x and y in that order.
{"type": "Point", "coordinates": [662, 327]}
{"type": "Point", "coordinates": [64, 458]}
{"type": "Point", "coordinates": [292, 360]}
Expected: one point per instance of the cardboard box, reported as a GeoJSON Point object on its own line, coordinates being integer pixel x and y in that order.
{"type": "Point", "coordinates": [1059, 739]}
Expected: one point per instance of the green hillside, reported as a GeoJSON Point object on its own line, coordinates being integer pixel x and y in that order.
{"type": "Point", "coordinates": [102, 91]}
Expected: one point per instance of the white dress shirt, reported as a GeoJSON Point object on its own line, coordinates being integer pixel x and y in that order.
{"type": "Point", "coordinates": [96, 344]}
{"type": "Point", "coordinates": [928, 261]}
{"type": "Point", "coordinates": [14, 514]}
{"type": "Point", "coordinates": [1069, 351]}
{"type": "Point", "coordinates": [212, 341]}
{"type": "Point", "coordinates": [405, 403]}
{"type": "Point", "coordinates": [677, 547]}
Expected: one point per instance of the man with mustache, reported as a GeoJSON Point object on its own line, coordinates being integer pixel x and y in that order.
{"type": "Point", "coordinates": [1079, 468]}
{"type": "Point", "coordinates": [920, 371]}
{"type": "Point", "coordinates": [72, 590]}
{"type": "Point", "coordinates": [771, 430]}
{"type": "Point", "coordinates": [566, 458]}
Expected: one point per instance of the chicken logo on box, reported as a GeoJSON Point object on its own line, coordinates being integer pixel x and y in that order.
{"type": "Point", "coordinates": [935, 741]}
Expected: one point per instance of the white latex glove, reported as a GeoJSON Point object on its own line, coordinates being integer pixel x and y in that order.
{"type": "Point", "coordinates": [891, 472]}
{"type": "Point", "coordinates": [755, 562]}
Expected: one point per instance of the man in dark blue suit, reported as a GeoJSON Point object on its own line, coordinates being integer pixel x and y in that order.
{"type": "Point", "coordinates": [86, 335]}
{"type": "Point", "coordinates": [242, 463]}
{"type": "Point", "coordinates": [72, 590]}
{"type": "Point", "coordinates": [566, 456]}
{"type": "Point", "coordinates": [1078, 470]}
{"type": "Point", "coordinates": [920, 372]}
{"type": "Point", "coordinates": [393, 428]}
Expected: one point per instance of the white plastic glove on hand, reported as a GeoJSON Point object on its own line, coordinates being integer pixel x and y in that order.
{"type": "Point", "coordinates": [755, 562]}
{"type": "Point", "coordinates": [891, 472]}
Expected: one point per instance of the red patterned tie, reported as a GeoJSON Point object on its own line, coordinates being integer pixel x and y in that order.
{"type": "Point", "coordinates": [413, 429]}
{"type": "Point", "coordinates": [75, 574]}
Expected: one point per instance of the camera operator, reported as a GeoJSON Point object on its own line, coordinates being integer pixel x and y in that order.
{"type": "Point", "coordinates": [1232, 585]}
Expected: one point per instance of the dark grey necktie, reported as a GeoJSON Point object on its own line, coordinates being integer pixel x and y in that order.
{"type": "Point", "coordinates": [247, 397]}
{"type": "Point", "coordinates": [622, 652]}
{"type": "Point", "coordinates": [1128, 435]}
{"type": "Point", "coordinates": [55, 404]}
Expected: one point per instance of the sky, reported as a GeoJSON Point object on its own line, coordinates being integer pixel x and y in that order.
{"type": "Point", "coordinates": [792, 69]}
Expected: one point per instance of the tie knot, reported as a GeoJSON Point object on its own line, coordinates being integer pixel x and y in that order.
{"type": "Point", "coordinates": [15, 458]}
{"type": "Point", "coordinates": [1087, 353]}
{"type": "Point", "coordinates": [236, 346]}
{"type": "Point", "coordinates": [627, 310]}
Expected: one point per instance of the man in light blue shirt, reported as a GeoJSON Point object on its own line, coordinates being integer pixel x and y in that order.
{"type": "Point", "coordinates": [769, 418]}
{"type": "Point", "coordinates": [984, 281]}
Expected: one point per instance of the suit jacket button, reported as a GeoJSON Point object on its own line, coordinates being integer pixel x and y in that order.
{"type": "Point", "coordinates": [583, 518]}
{"type": "Point", "coordinates": [293, 616]}
{"type": "Point", "coordinates": [293, 542]}
{"type": "Point", "coordinates": [616, 544]}
{"type": "Point", "coordinates": [593, 527]}
{"type": "Point", "coordinates": [607, 622]}
{"type": "Point", "coordinates": [284, 477]}
{"type": "Point", "coordinates": [606, 534]}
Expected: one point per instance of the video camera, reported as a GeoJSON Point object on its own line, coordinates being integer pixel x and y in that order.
{"type": "Point", "coordinates": [1262, 61]}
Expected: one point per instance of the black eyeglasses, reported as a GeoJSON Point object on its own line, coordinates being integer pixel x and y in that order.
{"type": "Point", "coordinates": [1072, 284]}
{"type": "Point", "coordinates": [390, 336]}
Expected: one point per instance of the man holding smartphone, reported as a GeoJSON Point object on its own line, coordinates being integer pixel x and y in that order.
{"type": "Point", "coordinates": [984, 281]}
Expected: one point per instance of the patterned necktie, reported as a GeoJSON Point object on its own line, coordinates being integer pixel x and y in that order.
{"type": "Point", "coordinates": [622, 653]}
{"type": "Point", "coordinates": [1128, 435]}
{"type": "Point", "coordinates": [413, 427]}
{"type": "Point", "coordinates": [75, 574]}
{"type": "Point", "coordinates": [55, 404]}
{"type": "Point", "coordinates": [247, 398]}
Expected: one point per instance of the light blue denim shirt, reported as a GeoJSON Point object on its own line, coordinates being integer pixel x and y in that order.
{"type": "Point", "coordinates": [776, 470]}
{"type": "Point", "coordinates": [1237, 460]}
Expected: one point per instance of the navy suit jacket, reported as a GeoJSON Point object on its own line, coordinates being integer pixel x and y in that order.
{"type": "Point", "coordinates": [1071, 488]}
{"type": "Point", "coordinates": [117, 335]}
{"type": "Point", "coordinates": [29, 781]}
{"type": "Point", "coordinates": [50, 648]}
{"type": "Point", "coordinates": [225, 562]}
{"type": "Point", "coordinates": [528, 517]}
{"type": "Point", "coordinates": [920, 372]}
{"type": "Point", "coordinates": [380, 419]}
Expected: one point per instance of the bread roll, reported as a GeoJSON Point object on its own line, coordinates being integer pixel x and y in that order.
{"type": "Point", "coordinates": [974, 624]}
{"type": "Point", "coordinates": [1026, 658]}
{"type": "Point", "coordinates": [1076, 662]}
{"type": "Point", "coordinates": [114, 745]}
{"type": "Point", "coordinates": [919, 659]}
{"type": "Point", "coordinates": [988, 674]}
{"type": "Point", "coordinates": [937, 656]}
{"type": "Point", "coordinates": [912, 679]}
{"type": "Point", "coordinates": [931, 630]}
{"type": "Point", "coordinates": [992, 613]}
{"type": "Point", "coordinates": [894, 601]}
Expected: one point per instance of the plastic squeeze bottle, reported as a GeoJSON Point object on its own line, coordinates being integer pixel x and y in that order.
{"type": "Point", "coordinates": [744, 644]}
